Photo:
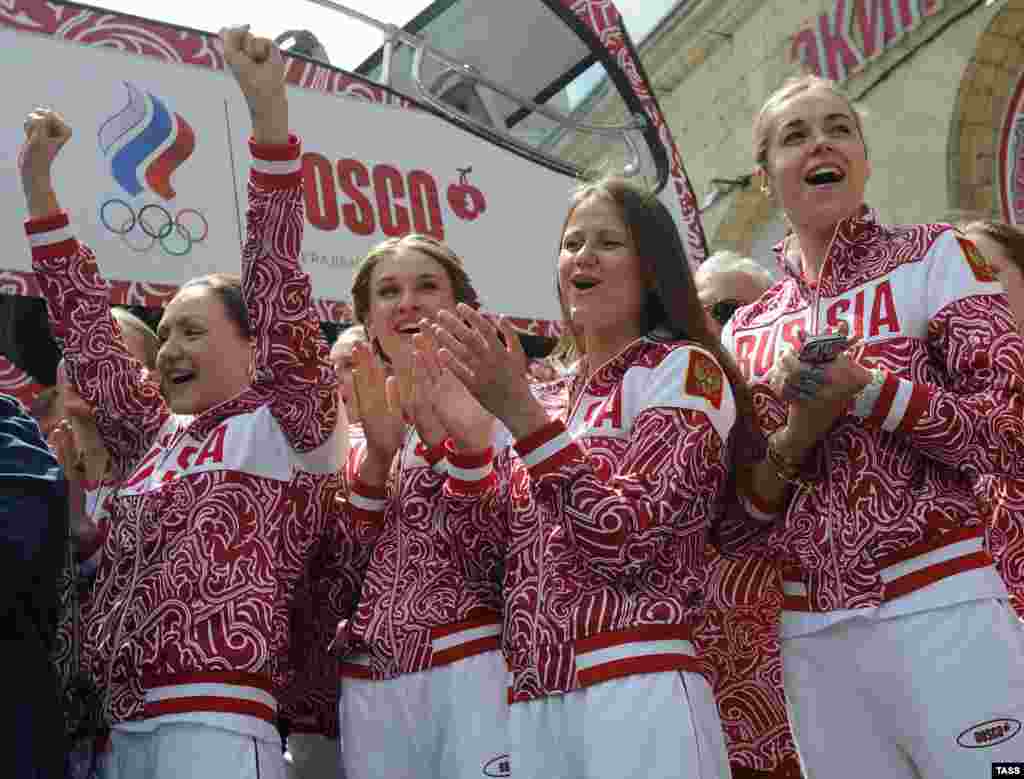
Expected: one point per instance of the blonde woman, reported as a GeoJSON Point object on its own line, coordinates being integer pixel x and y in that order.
{"type": "Point", "coordinates": [901, 657]}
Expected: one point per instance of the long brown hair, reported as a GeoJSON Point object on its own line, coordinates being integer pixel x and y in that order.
{"type": "Point", "coordinates": [673, 304]}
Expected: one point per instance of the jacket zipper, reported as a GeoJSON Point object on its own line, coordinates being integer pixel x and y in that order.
{"type": "Point", "coordinates": [829, 497]}
{"type": "Point", "coordinates": [397, 497]}
{"type": "Point", "coordinates": [574, 407]}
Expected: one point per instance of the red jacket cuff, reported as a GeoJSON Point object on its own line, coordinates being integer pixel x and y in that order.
{"type": "Point", "coordinates": [51, 236]}
{"type": "Point", "coordinates": [470, 472]}
{"type": "Point", "coordinates": [276, 166]}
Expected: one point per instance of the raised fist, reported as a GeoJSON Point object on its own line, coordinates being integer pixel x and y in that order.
{"type": "Point", "coordinates": [258, 67]}
{"type": "Point", "coordinates": [46, 132]}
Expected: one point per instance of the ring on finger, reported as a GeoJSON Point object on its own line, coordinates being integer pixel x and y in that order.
{"type": "Point", "coordinates": [809, 387]}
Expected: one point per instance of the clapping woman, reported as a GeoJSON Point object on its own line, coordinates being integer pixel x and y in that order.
{"type": "Point", "coordinates": [423, 682]}
{"type": "Point", "coordinates": [607, 511]}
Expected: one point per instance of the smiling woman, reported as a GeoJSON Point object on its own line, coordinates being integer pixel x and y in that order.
{"type": "Point", "coordinates": [205, 344]}
{"type": "Point", "coordinates": [424, 648]}
{"type": "Point", "coordinates": [606, 505]}
{"type": "Point", "coordinates": [813, 156]}
{"type": "Point", "coordinates": [889, 458]}
{"type": "Point", "coordinates": [399, 281]}
{"type": "Point", "coordinates": [230, 475]}
{"type": "Point", "coordinates": [602, 284]}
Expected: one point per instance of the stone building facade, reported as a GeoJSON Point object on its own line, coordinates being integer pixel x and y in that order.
{"type": "Point", "coordinates": [939, 83]}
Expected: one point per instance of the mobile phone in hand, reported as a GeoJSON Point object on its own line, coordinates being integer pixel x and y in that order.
{"type": "Point", "coordinates": [820, 349]}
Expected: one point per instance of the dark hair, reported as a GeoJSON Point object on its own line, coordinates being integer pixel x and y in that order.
{"type": "Point", "coordinates": [673, 305]}
{"type": "Point", "coordinates": [228, 287]}
{"type": "Point", "coordinates": [1008, 236]}
{"type": "Point", "coordinates": [26, 339]}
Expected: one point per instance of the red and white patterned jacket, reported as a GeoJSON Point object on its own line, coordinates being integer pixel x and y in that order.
{"type": "Point", "coordinates": [737, 636]}
{"type": "Point", "coordinates": [216, 523]}
{"type": "Point", "coordinates": [417, 608]}
{"type": "Point", "coordinates": [1002, 500]}
{"type": "Point", "coordinates": [328, 598]}
{"type": "Point", "coordinates": [887, 523]}
{"type": "Point", "coordinates": [606, 520]}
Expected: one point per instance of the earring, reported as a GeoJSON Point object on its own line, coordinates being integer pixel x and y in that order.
{"type": "Point", "coordinates": [766, 190]}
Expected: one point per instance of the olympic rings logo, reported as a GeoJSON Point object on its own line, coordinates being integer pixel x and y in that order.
{"type": "Point", "coordinates": [176, 234]}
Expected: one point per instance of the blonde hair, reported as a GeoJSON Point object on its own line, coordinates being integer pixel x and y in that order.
{"type": "Point", "coordinates": [151, 344]}
{"type": "Point", "coordinates": [565, 352]}
{"type": "Point", "coordinates": [1009, 237]}
{"type": "Point", "coordinates": [790, 88]}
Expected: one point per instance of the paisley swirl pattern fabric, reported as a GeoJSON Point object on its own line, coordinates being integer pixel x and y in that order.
{"type": "Point", "coordinates": [607, 512]}
{"type": "Point", "coordinates": [949, 412]}
{"type": "Point", "coordinates": [216, 527]}
{"type": "Point", "coordinates": [416, 581]}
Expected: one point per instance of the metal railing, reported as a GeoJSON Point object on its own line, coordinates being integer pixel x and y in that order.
{"type": "Point", "coordinates": [394, 36]}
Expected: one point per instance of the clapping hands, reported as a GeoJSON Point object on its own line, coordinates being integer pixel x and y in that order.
{"type": "Point", "coordinates": [817, 395]}
{"type": "Point", "coordinates": [383, 426]}
{"type": "Point", "coordinates": [438, 399]}
{"type": "Point", "coordinates": [491, 364]}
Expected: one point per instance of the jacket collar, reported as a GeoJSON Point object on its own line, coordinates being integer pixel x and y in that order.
{"type": "Point", "coordinates": [200, 426]}
{"type": "Point", "coordinates": [612, 371]}
{"type": "Point", "coordinates": [853, 229]}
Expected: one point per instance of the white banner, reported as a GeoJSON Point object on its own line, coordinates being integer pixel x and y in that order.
{"type": "Point", "coordinates": [154, 177]}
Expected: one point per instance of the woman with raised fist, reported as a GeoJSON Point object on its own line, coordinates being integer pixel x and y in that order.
{"type": "Point", "coordinates": [230, 470]}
